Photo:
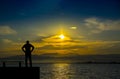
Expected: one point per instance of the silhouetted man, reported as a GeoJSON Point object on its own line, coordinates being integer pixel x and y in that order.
{"type": "Point", "coordinates": [28, 48]}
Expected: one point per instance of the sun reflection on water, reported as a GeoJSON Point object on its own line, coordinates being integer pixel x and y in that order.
{"type": "Point", "coordinates": [61, 71]}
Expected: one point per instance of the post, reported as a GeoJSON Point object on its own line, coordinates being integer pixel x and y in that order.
{"type": "Point", "coordinates": [4, 65]}
{"type": "Point", "coordinates": [19, 63]}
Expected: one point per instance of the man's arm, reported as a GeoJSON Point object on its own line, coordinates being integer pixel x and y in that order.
{"type": "Point", "coordinates": [23, 48]}
{"type": "Point", "coordinates": [32, 48]}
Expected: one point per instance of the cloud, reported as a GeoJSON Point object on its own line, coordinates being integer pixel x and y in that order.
{"type": "Point", "coordinates": [7, 30]}
{"type": "Point", "coordinates": [53, 44]}
{"type": "Point", "coordinates": [56, 39]}
{"type": "Point", "coordinates": [99, 25]}
{"type": "Point", "coordinates": [73, 27]}
{"type": "Point", "coordinates": [83, 47]}
{"type": "Point", "coordinates": [7, 41]}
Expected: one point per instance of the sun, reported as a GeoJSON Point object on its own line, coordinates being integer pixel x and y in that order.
{"type": "Point", "coordinates": [61, 36]}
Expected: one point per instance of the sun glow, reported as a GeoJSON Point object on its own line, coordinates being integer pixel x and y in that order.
{"type": "Point", "coordinates": [61, 36]}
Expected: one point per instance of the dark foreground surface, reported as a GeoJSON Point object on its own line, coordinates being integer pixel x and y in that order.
{"type": "Point", "coordinates": [19, 73]}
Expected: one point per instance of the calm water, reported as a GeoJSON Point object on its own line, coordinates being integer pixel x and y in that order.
{"type": "Point", "coordinates": [79, 71]}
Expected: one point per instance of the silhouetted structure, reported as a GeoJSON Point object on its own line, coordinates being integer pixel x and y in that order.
{"type": "Point", "coordinates": [28, 48]}
{"type": "Point", "coordinates": [19, 73]}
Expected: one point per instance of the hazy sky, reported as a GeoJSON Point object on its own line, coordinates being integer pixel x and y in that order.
{"type": "Point", "coordinates": [89, 26]}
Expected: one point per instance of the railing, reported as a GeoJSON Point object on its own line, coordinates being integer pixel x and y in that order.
{"type": "Point", "coordinates": [4, 63]}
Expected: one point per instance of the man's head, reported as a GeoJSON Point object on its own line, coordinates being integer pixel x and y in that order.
{"type": "Point", "coordinates": [27, 42]}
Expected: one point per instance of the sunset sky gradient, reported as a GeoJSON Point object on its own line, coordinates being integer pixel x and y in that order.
{"type": "Point", "coordinates": [89, 26]}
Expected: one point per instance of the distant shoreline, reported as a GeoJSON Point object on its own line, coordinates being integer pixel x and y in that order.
{"type": "Point", "coordinates": [78, 62]}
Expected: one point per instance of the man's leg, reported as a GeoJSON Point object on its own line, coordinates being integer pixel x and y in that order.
{"type": "Point", "coordinates": [30, 59]}
{"type": "Point", "coordinates": [26, 57]}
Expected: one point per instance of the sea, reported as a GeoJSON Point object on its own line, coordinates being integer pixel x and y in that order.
{"type": "Point", "coordinates": [77, 71]}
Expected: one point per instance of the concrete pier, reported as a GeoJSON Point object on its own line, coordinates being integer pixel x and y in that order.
{"type": "Point", "coordinates": [19, 73]}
